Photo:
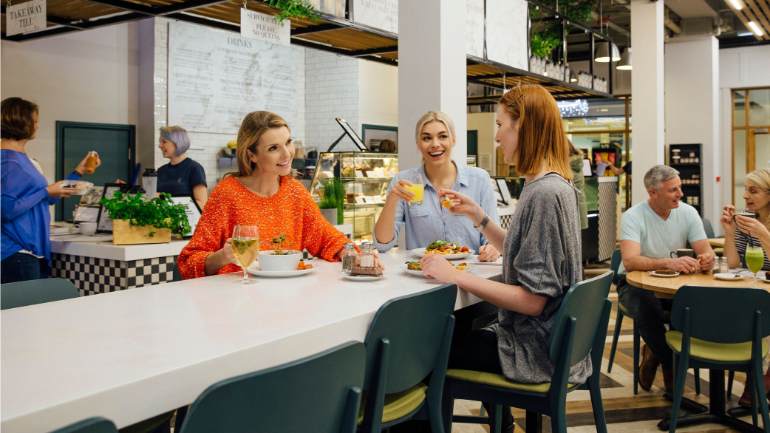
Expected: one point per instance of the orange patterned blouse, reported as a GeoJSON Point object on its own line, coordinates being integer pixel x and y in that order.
{"type": "Point", "coordinates": [291, 211]}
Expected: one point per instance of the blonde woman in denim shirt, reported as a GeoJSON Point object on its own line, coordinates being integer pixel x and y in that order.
{"type": "Point", "coordinates": [430, 221]}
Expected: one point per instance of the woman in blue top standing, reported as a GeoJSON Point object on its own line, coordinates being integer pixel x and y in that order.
{"type": "Point", "coordinates": [430, 221]}
{"type": "Point", "coordinates": [26, 195]}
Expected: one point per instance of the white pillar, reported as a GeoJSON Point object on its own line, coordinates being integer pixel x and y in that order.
{"type": "Point", "coordinates": [431, 71]}
{"type": "Point", "coordinates": [692, 109]}
{"type": "Point", "coordinates": [647, 139]}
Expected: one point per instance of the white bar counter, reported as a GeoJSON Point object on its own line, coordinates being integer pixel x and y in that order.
{"type": "Point", "coordinates": [134, 354]}
{"type": "Point", "coordinates": [95, 265]}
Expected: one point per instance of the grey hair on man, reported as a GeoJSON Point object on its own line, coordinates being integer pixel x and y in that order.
{"type": "Point", "coordinates": [178, 136]}
{"type": "Point", "coordinates": [658, 175]}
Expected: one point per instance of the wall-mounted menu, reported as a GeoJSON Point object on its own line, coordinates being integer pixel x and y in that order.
{"type": "Point", "coordinates": [217, 77]}
{"type": "Point", "coordinates": [507, 32]}
{"type": "Point", "coordinates": [380, 14]}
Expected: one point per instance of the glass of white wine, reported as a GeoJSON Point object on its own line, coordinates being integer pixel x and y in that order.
{"type": "Point", "coordinates": [245, 245]}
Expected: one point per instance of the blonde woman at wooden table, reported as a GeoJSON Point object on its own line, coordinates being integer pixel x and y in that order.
{"type": "Point", "coordinates": [741, 230]}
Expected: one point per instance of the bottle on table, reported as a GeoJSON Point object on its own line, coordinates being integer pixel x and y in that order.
{"type": "Point", "coordinates": [349, 255]}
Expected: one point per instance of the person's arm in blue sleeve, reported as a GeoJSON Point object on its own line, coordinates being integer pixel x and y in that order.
{"type": "Point", "coordinates": [13, 202]}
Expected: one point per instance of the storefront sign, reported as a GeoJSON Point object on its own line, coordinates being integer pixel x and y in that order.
{"type": "Point", "coordinates": [25, 17]}
{"type": "Point", "coordinates": [257, 25]}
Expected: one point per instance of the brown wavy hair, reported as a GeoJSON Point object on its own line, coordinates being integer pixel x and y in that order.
{"type": "Point", "coordinates": [253, 126]}
{"type": "Point", "coordinates": [18, 122]}
{"type": "Point", "coordinates": [542, 143]}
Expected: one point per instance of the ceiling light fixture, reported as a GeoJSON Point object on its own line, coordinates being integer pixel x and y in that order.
{"type": "Point", "coordinates": [755, 28]}
{"type": "Point", "coordinates": [736, 4]}
{"type": "Point", "coordinates": [603, 51]}
{"type": "Point", "coordinates": [625, 60]}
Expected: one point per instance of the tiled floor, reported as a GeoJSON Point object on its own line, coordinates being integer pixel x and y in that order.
{"type": "Point", "coordinates": [624, 411]}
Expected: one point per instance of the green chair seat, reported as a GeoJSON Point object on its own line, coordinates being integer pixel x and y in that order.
{"type": "Point", "coordinates": [500, 381]}
{"type": "Point", "coordinates": [400, 404]}
{"type": "Point", "coordinates": [708, 350]}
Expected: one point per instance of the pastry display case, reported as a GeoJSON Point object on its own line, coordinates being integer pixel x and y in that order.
{"type": "Point", "coordinates": [360, 182]}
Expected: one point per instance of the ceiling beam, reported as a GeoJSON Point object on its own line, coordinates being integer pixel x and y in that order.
{"type": "Point", "coordinates": [158, 10]}
{"type": "Point", "coordinates": [74, 26]}
{"type": "Point", "coordinates": [315, 29]}
{"type": "Point", "coordinates": [371, 51]}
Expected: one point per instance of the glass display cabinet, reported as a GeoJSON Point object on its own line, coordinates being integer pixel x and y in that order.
{"type": "Point", "coordinates": [360, 182]}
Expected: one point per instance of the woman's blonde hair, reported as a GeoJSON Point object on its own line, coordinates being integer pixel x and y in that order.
{"type": "Point", "coordinates": [434, 116]}
{"type": "Point", "coordinates": [252, 127]}
{"type": "Point", "coordinates": [760, 178]}
{"type": "Point", "coordinates": [542, 143]}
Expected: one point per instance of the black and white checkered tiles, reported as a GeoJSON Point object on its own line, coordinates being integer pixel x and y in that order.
{"type": "Point", "coordinates": [94, 275]}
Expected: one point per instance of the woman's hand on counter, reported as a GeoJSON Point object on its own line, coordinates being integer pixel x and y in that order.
{"type": "Point", "coordinates": [58, 190]}
{"type": "Point", "coordinates": [439, 268]}
{"type": "Point", "coordinates": [488, 253]}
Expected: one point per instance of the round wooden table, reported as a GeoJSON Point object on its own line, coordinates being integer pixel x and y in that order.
{"type": "Point", "coordinates": [667, 287]}
{"type": "Point", "coordinates": [716, 411]}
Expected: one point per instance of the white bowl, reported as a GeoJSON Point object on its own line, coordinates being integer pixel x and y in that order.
{"type": "Point", "coordinates": [87, 228]}
{"type": "Point", "coordinates": [285, 262]}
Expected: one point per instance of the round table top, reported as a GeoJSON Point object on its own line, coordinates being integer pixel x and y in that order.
{"type": "Point", "coordinates": [667, 287]}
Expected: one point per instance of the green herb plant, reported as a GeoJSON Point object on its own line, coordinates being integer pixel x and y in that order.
{"type": "Point", "coordinates": [293, 9]}
{"type": "Point", "coordinates": [160, 212]}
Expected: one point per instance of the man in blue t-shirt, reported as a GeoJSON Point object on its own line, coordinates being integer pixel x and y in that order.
{"type": "Point", "coordinates": [650, 232]}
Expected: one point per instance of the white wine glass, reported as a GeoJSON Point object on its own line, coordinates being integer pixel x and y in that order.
{"type": "Point", "coordinates": [245, 245]}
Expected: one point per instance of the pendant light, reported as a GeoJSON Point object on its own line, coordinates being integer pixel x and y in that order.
{"type": "Point", "coordinates": [625, 60]}
{"type": "Point", "coordinates": [603, 51]}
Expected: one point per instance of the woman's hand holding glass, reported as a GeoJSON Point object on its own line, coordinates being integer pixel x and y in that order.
{"type": "Point", "coordinates": [402, 190]}
{"type": "Point", "coordinates": [727, 219]}
{"type": "Point", "coordinates": [89, 163]}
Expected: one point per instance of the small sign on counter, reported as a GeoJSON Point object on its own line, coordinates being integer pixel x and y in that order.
{"type": "Point", "coordinates": [25, 17]}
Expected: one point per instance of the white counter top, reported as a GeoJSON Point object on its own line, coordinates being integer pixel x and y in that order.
{"type": "Point", "coordinates": [101, 246]}
{"type": "Point", "coordinates": [133, 354]}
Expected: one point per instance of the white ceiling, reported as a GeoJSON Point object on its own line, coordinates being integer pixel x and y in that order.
{"type": "Point", "coordinates": [691, 8]}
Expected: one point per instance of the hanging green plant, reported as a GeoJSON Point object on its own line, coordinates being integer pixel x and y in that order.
{"type": "Point", "coordinates": [293, 9]}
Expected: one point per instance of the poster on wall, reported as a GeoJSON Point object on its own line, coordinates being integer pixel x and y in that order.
{"type": "Point", "coordinates": [507, 32]}
{"type": "Point", "coordinates": [217, 77]}
{"type": "Point", "coordinates": [25, 17]}
{"type": "Point", "coordinates": [380, 14]}
{"type": "Point", "coordinates": [264, 27]}
{"type": "Point", "coordinates": [474, 28]}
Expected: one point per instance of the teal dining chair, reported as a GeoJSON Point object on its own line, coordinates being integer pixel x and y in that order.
{"type": "Point", "coordinates": [698, 340]}
{"type": "Point", "coordinates": [319, 393]}
{"type": "Point", "coordinates": [31, 292]}
{"type": "Point", "coordinates": [90, 425]}
{"type": "Point", "coordinates": [579, 330]}
{"type": "Point", "coordinates": [407, 351]}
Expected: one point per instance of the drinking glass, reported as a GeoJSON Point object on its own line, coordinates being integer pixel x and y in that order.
{"type": "Point", "coordinates": [245, 245]}
{"type": "Point", "coordinates": [417, 188]}
{"type": "Point", "coordinates": [755, 258]}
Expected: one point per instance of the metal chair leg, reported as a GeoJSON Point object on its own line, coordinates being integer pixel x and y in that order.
{"type": "Point", "coordinates": [615, 336]}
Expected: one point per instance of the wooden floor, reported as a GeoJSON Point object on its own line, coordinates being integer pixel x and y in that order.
{"type": "Point", "coordinates": [624, 411]}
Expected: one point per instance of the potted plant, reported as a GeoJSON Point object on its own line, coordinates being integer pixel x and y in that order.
{"type": "Point", "coordinates": [331, 201]}
{"type": "Point", "coordinates": [139, 221]}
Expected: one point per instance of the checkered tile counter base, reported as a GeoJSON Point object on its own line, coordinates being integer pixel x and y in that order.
{"type": "Point", "coordinates": [94, 275]}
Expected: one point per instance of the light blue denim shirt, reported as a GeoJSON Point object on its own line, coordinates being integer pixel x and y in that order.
{"type": "Point", "coordinates": [429, 221]}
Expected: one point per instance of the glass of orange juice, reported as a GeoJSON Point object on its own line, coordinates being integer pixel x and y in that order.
{"type": "Point", "coordinates": [417, 188]}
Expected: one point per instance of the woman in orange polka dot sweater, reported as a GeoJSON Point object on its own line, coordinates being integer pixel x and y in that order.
{"type": "Point", "coordinates": [264, 194]}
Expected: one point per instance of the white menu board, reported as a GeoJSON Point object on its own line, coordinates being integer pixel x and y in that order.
{"type": "Point", "coordinates": [507, 32]}
{"type": "Point", "coordinates": [217, 77]}
{"type": "Point", "coordinates": [380, 14]}
{"type": "Point", "coordinates": [474, 28]}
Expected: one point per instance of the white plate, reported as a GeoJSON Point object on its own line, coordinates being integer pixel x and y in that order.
{"type": "Point", "coordinates": [415, 273]}
{"type": "Point", "coordinates": [419, 252]}
{"type": "Point", "coordinates": [254, 270]}
{"type": "Point", "coordinates": [728, 276]}
{"type": "Point", "coordinates": [659, 275]}
{"type": "Point", "coordinates": [363, 277]}
{"type": "Point", "coordinates": [78, 187]}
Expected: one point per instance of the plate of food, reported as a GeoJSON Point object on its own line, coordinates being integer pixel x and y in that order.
{"type": "Point", "coordinates": [728, 276]}
{"type": "Point", "coordinates": [415, 268]}
{"type": "Point", "coordinates": [302, 268]}
{"type": "Point", "coordinates": [449, 250]}
{"type": "Point", "coordinates": [664, 273]}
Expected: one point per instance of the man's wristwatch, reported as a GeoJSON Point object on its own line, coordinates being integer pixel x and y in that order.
{"type": "Point", "coordinates": [482, 224]}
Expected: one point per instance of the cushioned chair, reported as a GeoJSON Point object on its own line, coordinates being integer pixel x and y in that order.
{"type": "Point", "coordinates": [580, 328]}
{"type": "Point", "coordinates": [619, 314]}
{"type": "Point", "coordinates": [90, 425]}
{"type": "Point", "coordinates": [31, 292]}
{"type": "Point", "coordinates": [319, 393]}
{"type": "Point", "coordinates": [407, 350]}
{"type": "Point", "coordinates": [699, 340]}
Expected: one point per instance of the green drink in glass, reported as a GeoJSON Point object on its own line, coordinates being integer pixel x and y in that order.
{"type": "Point", "coordinates": [755, 258]}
